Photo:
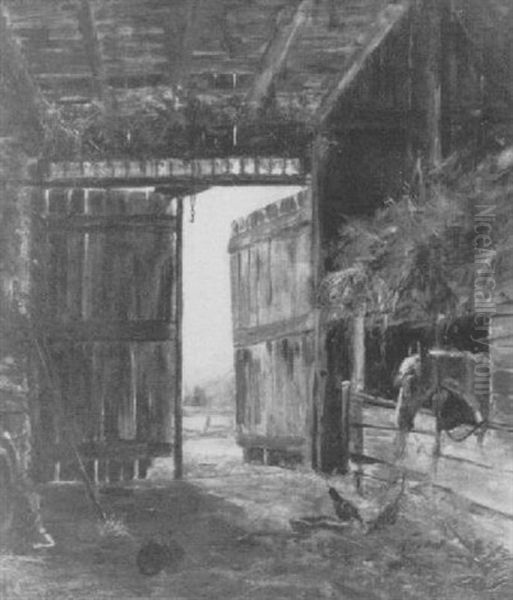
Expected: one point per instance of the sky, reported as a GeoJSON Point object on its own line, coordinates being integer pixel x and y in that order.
{"type": "Point", "coordinates": [207, 327]}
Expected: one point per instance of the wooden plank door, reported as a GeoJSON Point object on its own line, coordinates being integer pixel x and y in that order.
{"type": "Point", "coordinates": [274, 329]}
{"type": "Point", "coordinates": [107, 299]}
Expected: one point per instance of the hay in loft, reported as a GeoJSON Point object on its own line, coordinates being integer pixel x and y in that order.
{"type": "Point", "coordinates": [399, 265]}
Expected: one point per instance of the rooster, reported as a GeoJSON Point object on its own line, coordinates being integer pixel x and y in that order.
{"type": "Point", "coordinates": [388, 515]}
{"type": "Point", "coordinates": [345, 510]}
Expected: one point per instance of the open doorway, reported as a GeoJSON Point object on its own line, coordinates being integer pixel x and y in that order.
{"type": "Point", "coordinates": [208, 354]}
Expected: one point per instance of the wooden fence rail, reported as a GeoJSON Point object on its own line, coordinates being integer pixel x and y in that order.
{"type": "Point", "coordinates": [480, 471]}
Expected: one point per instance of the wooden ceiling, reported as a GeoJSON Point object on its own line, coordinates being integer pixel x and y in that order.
{"type": "Point", "coordinates": [132, 52]}
{"type": "Point", "coordinates": [126, 58]}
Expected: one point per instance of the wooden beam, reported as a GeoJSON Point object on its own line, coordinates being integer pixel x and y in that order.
{"type": "Point", "coordinates": [276, 52]}
{"type": "Point", "coordinates": [193, 174]}
{"type": "Point", "coordinates": [244, 337]}
{"type": "Point", "coordinates": [96, 330]}
{"type": "Point", "coordinates": [386, 21]}
{"type": "Point", "coordinates": [358, 374]}
{"type": "Point", "coordinates": [429, 37]}
{"type": "Point", "coordinates": [105, 223]}
{"type": "Point", "coordinates": [315, 425]}
{"type": "Point", "coordinates": [345, 425]}
{"type": "Point", "coordinates": [87, 27]}
{"type": "Point", "coordinates": [178, 409]}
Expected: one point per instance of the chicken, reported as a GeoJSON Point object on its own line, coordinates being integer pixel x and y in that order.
{"type": "Point", "coordinates": [155, 556]}
{"type": "Point", "coordinates": [390, 512]}
{"type": "Point", "coordinates": [345, 510]}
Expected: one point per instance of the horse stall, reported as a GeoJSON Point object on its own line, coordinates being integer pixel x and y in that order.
{"type": "Point", "coordinates": [456, 449]}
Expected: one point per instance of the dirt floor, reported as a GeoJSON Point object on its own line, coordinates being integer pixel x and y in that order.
{"type": "Point", "coordinates": [233, 522]}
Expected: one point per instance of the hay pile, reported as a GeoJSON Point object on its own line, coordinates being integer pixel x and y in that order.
{"type": "Point", "coordinates": [400, 264]}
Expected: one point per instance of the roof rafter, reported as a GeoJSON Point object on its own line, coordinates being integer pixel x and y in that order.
{"type": "Point", "coordinates": [276, 53]}
{"type": "Point", "coordinates": [385, 23]}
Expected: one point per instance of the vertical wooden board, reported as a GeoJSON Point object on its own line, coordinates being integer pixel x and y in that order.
{"type": "Point", "coordinates": [234, 291]}
{"type": "Point", "coordinates": [291, 249]}
{"type": "Point", "coordinates": [282, 388]}
{"type": "Point", "coordinates": [277, 272]}
{"type": "Point", "coordinates": [282, 283]}
{"type": "Point", "coordinates": [291, 393]}
{"type": "Point", "coordinates": [165, 277]}
{"type": "Point", "coordinates": [302, 385]}
{"type": "Point", "coordinates": [126, 413]}
{"type": "Point", "coordinates": [275, 397]}
{"type": "Point", "coordinates": [163, 376]}
{"type": "Point", "coordinates": [254, 276]}
{"type": "Point", "coordinates": [303, 267]}
{"type": "Point", "coordinates": [268, 395]}
{"type": "Point", "coordinates": [244, 287]}
{"type": "Point", "coordinates": [115, 392]}
{"type": "Point", "coordinates": [262, 274]}
{"type": "Point", "coordinates": [80, 389]}
{"type": "Point", "coordinates": [93, 305]}
{"type": "Point", "coordinates": [240, 387]}
{"type": "Point", "coordinates": [59, 273]}
{"type": "Point", "coordinates": [144, 402]}
{"type": "Point", "coordinates": [99, 388]}
{"type": "Point", "coordinates": [152, 383]}
{"type": "Point", "coordinates": [174, 270]}
{"type": "Point", "coordinates": [75, 253]}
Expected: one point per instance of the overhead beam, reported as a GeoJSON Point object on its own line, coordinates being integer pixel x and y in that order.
{"type": "Point", "coordinates": [89, 32]}
{"type": "Point", "coordinates": [386, 21]}
{"type": "Point", "coordinates": [427, 80]}
{"type": "Point", "coordinates": [276, 53]}
{"type": "Point", "coordinates": [189, 175]}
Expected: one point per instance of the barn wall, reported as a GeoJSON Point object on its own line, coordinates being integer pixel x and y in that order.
{"type": "Point", "coordinates": [271, 267]}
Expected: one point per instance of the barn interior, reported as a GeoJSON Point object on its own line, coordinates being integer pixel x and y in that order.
{"type": "Point", "coordinates": [376, 128]}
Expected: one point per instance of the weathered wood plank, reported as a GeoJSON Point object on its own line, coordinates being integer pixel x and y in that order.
{"type": "Point", "coordinates": [101, 223]}
{"type": "Point", "coordinates": [385, 23]}
{"type": "Point", "coordinates": [276, 52]}
{"type": "Point", "coordinates": [275, 330]}
{"type": "Point", "coordinates": [215, 171]}
{"type": "Point", "coordinates": [178, 356]}
{"type": "Point", "coordinates": [473, 470]}
{"type": "Point", "coordinates": [121, 450]}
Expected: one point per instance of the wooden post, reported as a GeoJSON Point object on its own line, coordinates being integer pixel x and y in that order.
{"type": "Point", "coordinates": [427, 84]}
{"type": "Point", "coordinates": [448, 71]}
{"type": "Point", "coordinates": [320, 362]}
{"type": "Point", "coordinates": [345, 426]}
{"type": "Point", "coordinates": [356, 440]}
{"type": "Point", "coordinates": [358, 375]}
{"type": "Point", "coordinates": [178, 440]}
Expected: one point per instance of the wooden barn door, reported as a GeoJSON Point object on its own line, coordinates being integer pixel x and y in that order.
{"type": "Point", "coordinates": [274, 330]}
{"type": "Point", "coordinates": [107, 299]}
